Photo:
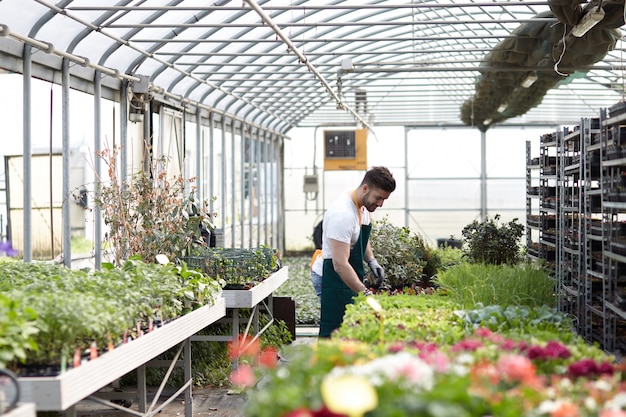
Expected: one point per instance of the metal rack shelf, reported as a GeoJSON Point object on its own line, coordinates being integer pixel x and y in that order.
{"type": "Point", "coordinates": [62, 392]}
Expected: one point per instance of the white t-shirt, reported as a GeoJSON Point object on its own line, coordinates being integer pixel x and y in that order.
{"type": "Point", "coordinates": [341, 222]}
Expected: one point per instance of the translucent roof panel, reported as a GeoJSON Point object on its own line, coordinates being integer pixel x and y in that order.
{"type": "Point", "coordinates": [287, 63]}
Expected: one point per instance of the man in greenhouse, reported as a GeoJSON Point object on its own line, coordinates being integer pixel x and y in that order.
{"type": "Point", "coordinates": [345, 246]}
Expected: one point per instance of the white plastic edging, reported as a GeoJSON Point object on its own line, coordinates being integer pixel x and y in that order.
{"type": "Point", "coordinates": [253, 296]}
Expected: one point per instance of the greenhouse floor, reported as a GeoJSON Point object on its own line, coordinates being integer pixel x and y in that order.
{"type": "Point", "coordinates": [207, 402]}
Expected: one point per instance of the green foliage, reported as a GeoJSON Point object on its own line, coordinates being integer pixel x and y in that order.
{"type": "Point", "coordinates": [472, 284]}
{"type": "Point", "coordinates": [405, 256]}
{"type": "Point", "coordinates": [407, 318]}
{"type": "Point", "coordinates": [517, 319]}
{"type": "Point", "coordinates": [449, 257]}
{"type": "Point", "coordinates": [491, 243]}
{"type": "Point", "coordinates": [236, 266]}
{"type": "Point", "coordinates": [76, 308]}
{"type": "Point", "coordinates": [18, 328]}
{"type": "Point", "coordinates": [300, 289]}
{"type": "Point", "coordinates": [150, 214]}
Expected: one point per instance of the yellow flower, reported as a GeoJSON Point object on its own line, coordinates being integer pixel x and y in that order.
{"type": "Point", "coordinates": [352, 395]}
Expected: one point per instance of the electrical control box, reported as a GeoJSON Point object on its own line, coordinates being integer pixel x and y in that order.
{"type": "Point", "coordinates": [345, 150]}
{"type": "Point", "coordinates": [310, 184]}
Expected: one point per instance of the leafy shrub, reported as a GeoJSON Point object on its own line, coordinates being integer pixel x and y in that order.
{"type": "Point", "coordinates": [300, 288]}
{"type": "Point", "coordinates": [150, 214]}
{"type": "Point", "coordinates": [488, 242]}
{"type": "Point", "coordinates": [405, 256]}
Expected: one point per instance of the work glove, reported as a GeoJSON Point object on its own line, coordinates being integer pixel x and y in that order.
{"type": "Point", "coordinates": [378, 271]}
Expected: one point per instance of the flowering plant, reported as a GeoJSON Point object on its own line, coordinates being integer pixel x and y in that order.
{"type": "Point", "coordinates": [480, 373]}
{"type": "Point", "coordinates": [7, 249]}
{"type": "Point", "coordinates": [483, 375]}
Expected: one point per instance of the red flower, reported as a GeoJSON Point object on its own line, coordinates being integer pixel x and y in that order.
{"type": "Point", "coordinates": [243, 346]}
{"type": "Point", "coordinates": [300, 412]}
{"type": "Point", "coordinates": [268, 357]}
{"type": "Point", "coordinates": [325, 412]}
{"type": "Point", "coordinates": [589, 367]}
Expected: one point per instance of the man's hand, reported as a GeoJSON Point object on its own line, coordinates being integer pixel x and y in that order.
{"type": "Point", "coordinates": [378, 271]}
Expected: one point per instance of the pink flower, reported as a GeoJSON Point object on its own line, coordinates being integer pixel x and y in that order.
{"type": "Point", "coordinates": [483, 332]}
{"type": "Point", "coordinates": [438, 360]}
{"type": "Point", "coordinates": [470, 345]}
{"type": "Point", "coordinates": [612, 413]}
{"type": "Point", "coordinates": [243, 376]}
{"type": "Point", "coordinates": [516, 367]}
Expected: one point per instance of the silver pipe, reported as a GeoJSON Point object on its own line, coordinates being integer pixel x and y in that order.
{"type": "Point", "coordinates": [97, 133]}
{"type": "Point", "coordinates": [483, 175]}
{"type": "Point", "coordinates": [65, 87]}
{"type": "Point", "coordinates": [371, 23]}
{"type": "Point", "coordinates": [210, 173]}
{"type": "Point", "coordinates": [199, 154]}
{"type": "Point", "coordinates": [309, 7]}
{"type": "Point", "coordinates": [28, 152]}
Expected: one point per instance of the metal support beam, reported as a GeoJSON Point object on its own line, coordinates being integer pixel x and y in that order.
{"type": "Point", "coordinates": [97, 133]}
{"type": "Point", "coordinates": [483, 175]}
{"type": "Point", "coordinates": [28, 152]}
{"type": "Point", "coordinates": [67, 247]}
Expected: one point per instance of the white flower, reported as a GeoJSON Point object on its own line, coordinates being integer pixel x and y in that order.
{"type": "Point", "coordinates": [616, 403]}
{"type": "Point", "coordinates": [401, 366]}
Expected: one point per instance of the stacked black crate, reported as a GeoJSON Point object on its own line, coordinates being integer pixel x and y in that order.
{"type": "Point", "coordinates": [570, 288]}
{"type": "Point", "coordinates": [592, 319]}
{"type": "Point", "coordinates": [613, 183]}
{"type": "Point", "coordinates": [549, 198]}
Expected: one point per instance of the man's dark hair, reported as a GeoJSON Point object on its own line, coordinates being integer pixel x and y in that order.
{"type": "Point", "coordinates": [380, 177]}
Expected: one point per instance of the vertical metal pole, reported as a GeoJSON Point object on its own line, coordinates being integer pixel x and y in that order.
{"type": "Point", "coordinates": [257, 183]}
{"type": "Point", "coordinates": [266, 184]}
{"type": "Point", "coordinates": [245, 185]}
{"type": "Point", "coordinates": [210, 174]}
{"type": "Point", "coordinates": [406, 177]}
{"type": "Point", "coordinates": [199, 154]}
{"type": "Point", "coordinates": [124, 132]}
{"type": "Point", "coordinates": [147, 140]}
{"type": "Point", "coordinates": [274, 188]}
{"type": "Point", "coordinates": [233, 185]}
{"type": "Point", "coordinates": [223, 217]}
{"type": "Point", "coordinates": [142, 392]}
{"type": "Point", "coordinates": [97, 132]}
{"type": "Point", "coordinates": [483, 175]}
{"type": "Point", "coordinates": [187, 377]}
{"type": "Point", "coordinates": [281, 193]}
{"type": "Point", "coordinates": [27, 81]}
{"type": "Point", "coordinates": [67, 246]}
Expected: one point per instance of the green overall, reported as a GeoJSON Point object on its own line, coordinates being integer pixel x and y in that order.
{"type": "Point", "coordinates": [335, 293]}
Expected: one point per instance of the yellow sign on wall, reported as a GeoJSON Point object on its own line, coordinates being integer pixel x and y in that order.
{"type": "Point", "coordinates": [345, 150]}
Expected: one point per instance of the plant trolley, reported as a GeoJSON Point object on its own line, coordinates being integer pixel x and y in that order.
{"type": "Point", "coordinates": [63, 392]}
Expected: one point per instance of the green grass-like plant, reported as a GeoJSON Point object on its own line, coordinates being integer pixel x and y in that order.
{"type": "Point", "coordinates": [470, 285]}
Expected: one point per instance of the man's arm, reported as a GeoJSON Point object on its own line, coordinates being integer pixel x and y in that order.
{"type": "Point", "coordinates": [341, 254]}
